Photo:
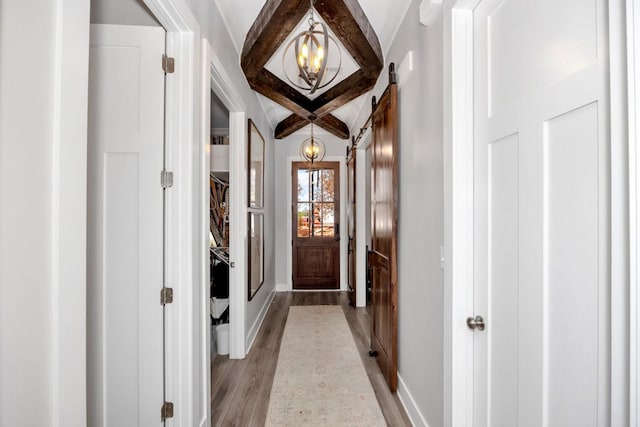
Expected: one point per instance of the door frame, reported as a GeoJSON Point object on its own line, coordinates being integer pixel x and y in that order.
{"type": "Point", "coordinates": [352, 155]}
{"type": "Point", "coordinates": [343, 219]}
{"type": "Point", "coordinates": [363, 223]}
{"type": "Point", "coordinates": [66, 387]}
{"type": "Point", "coordinates": [633, 73]}
{"type": "Point", "coordinates": [458, 191]}
{"type": "Point", "coordinates": [215, 77]}
{"type": "Point", "coordinates": [458, 186]}
{"type": "Point", "coordinates": [182, 126]}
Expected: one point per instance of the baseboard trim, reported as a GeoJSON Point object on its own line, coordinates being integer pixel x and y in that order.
{"type": "Point", "coordinates": [253, 332]}
{"type": "Point", "coordinates": [282, 287]}
{"type": "Point", "coordinates": [410, 406]}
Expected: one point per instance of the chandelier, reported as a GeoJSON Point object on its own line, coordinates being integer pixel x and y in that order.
{"type": "Point", "coordinates": [312, 148]}
{"type": "Point", "coordinates": [311, 50]}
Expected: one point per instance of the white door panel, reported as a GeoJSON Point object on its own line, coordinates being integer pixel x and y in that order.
{"type": "Point", "coordinates": [125, 226]}
{"type": "Point", "coordinates": [541, 235]}
{"type": "Point", "coordinates": [532, 44]}
{"type": "Point", "coordinates": [503, 273]}
{"type": "Point", "coordinates": [571, 268]}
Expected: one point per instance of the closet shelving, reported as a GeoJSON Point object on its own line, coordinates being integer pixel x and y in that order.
{"type": "Point", "coordinates": [219, 226]}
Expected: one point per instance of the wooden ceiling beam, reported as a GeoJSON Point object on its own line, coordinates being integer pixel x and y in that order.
{"type": "Point", "coordinates": [329, 123]}
{"type": "Point", "coordinates": [289, 125]}
{"type": "Point", "coordinates": [347, 90]}
{"type": "Point", "coordinates": [275, 22]}
{"type": "Point", "coordinates": [351, 26]}
{"type": "Point", "coordinates": [269, 85]}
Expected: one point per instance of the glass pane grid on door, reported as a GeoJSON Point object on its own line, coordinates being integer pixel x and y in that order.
{"type": "Point", "coordinates": [316, 206]}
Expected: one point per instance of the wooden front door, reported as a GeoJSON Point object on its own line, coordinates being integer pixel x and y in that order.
{"type": "Point", "coordinates": [351, 225]}
{"type": "Point", "coordinates": [316, 230]}
{"type": "Point", "coordinates": [383, 255]}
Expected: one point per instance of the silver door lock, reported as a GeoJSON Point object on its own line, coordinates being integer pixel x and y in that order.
{"type": "Point", "coordinates": [475, 323]}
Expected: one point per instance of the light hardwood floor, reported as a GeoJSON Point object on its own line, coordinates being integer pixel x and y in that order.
{"type": "Point", "coordinates": [241, 388]}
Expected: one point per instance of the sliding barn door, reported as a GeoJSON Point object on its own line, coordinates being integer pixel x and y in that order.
{"type": "Point", "coordinates": [125, 226]}
{"type": "Point", "coordinates": [541, 213]}
{"type": "Point", "coordinates": [383, 260]}
{"type": "Point", "coordinates": [351, 225]}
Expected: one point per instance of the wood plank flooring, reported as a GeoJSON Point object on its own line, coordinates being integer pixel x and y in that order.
{"type": "Point", "coordinates": [241, 388]}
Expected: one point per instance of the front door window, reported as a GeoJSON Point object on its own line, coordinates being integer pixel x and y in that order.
{"type": "Point", "coordinates": [316, 203]}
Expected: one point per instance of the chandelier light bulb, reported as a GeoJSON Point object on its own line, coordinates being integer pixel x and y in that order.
{"type": "Point", "coordinates": [312, 148]}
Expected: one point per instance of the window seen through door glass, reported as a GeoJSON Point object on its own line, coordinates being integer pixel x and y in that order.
{"type": "Point", "coordinates": [327, 185]}
{"type": "Point", "coordinates": [304, 228]}
{"type": "Point", "coordinates": [303, 185]}
{"type": "Point", "coordinates": [316, 209]}
{"type": "Point", "coordinates": [316, 185]}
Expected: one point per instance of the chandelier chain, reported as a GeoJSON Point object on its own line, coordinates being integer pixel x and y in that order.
{"type": "Point", "coordinates": [312, 19]}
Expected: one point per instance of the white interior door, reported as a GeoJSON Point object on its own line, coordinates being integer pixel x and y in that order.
{"type": "Point", "coordinates": [541, 213]}
{"type": "Point", "coordinates": [125, 226]}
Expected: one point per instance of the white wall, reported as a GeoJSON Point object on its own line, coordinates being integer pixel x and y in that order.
{"type": "Point", "coordinates": [25, 259]}
{"type": "Point", "coordinates": [421, 214]}
{"type": "Point", "coordinates": [43, 82]}
{"type": "Point", "coordinates": [285, 149]}
{"type": "Point", "coordinates": [121, 12]}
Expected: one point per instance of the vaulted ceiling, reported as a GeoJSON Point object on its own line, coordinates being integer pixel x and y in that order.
{"type": "Point", "coordinates": [384, 17]}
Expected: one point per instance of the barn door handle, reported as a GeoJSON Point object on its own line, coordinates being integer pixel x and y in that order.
{"type": "Point", "coordinates": [336, 235]}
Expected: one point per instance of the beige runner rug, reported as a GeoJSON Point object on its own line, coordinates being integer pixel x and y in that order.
{"type": "Point", "coordinates": [320, 379]}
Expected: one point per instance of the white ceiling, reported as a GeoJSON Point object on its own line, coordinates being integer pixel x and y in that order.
{"type": "Point", "coordinates": [384, 15]}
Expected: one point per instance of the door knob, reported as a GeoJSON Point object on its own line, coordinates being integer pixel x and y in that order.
{"type": "Point", "coordinates": [475, 323]}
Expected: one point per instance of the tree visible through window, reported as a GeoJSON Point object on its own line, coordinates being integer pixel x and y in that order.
{"type": "Point", "coordinates": [316, 203]}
